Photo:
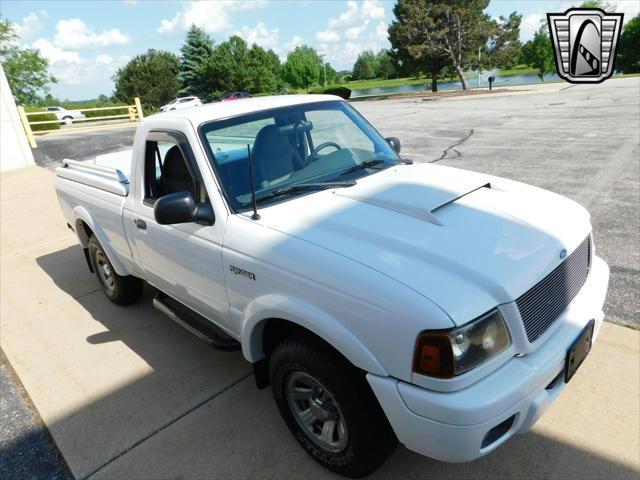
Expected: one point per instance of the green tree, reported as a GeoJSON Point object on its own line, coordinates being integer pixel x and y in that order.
{"type": "Point", "coordinates": [366, 66]}
{"type": "Point", "coordinates": [385, 64]}
{"type": "Point", "coordinates": [152, 76]}
{"type": "Point", "coordinates": [411, 55]}
{"type": "Point", "coordinates": [332, 75]}
{"type": "Point", "coordinates": [504, 49]}
{"type": "Point", "coordinates": [538, 53]}
{"type": "Point", "coordinates": [227, 69]}
{"type": "Point", "coordinates": [606, 6]}
{"type": "Point", "coordinates": [195, 52]}
{"type": "Point", "coordinates": [438, 30]}
{"type": "Point", "coordinates": [629, 51]}
{"type": "Point", "coordinates": [264, 70]}
{"type": "Point", "coordinates": [302, 67]}
{"type": "Point", "coordinates": [26, 70]}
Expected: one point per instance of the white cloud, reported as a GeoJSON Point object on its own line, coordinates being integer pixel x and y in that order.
{"type": "Point", "coordinates": [261, 35]}
{"type": "Point", "coordinates": [74, 33]}
{"type": "Point", "coordinates": [382, 31]}
{"type": "Point", "coordinates": [530, 25]}
{"type": "Point", "coordinates": [328, 36]}
{"type": "Point", "coordinates": [104, 59]}
{"type": "Point", "coordinates": [212, 16]}
{"type": "Point", "coordinates": [296, 41]}
{"type": "Point", "coordinates": [31, 24]}
{"type": "Point", "coordinates": [53, 53]}
{"type": "Point", "coordinates": [72, 69]}
{"type": "Point", "coordinates": [353, 25]}
{"type": "Point", "coordinates": [356, 13]}
{"type": "Point", "coordinates": [630, 8]}
{"type": "Point", "coordinates": [354, 32]}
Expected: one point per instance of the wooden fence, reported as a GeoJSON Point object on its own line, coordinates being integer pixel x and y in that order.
{"type": "Point", "coordinates": [134, 114]}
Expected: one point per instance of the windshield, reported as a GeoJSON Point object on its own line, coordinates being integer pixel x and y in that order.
{"type": "Point", "coordinates": [311, 143]}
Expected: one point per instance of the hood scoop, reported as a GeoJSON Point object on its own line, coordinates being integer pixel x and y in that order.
{"type": "Point", "coordinates": [396, 206]}
{"type": "Point", "coordinates": [414, 200]}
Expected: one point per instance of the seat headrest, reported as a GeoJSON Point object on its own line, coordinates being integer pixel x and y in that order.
{"type": "Point", "coordinates": [174, 164]}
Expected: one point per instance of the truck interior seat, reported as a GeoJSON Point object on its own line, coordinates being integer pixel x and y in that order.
{"type": "Point", "coordinates": [274, 157]}
{"type": "Point", "coordinates": [175, 174]}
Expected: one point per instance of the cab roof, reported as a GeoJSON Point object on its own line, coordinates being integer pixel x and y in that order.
{"type": "Point", "coordinates": [220, 110]}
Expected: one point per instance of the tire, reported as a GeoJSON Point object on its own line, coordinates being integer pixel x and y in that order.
{"type": "Point", "coordinates": [67, 120]}
{"type": "Point", "coordinates": [362, 438]}
{"type": "Point", "coordinates": [120, 290]}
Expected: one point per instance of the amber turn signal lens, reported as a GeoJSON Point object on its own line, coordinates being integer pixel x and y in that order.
{"type": "Point", "coordinates": [434, 355]}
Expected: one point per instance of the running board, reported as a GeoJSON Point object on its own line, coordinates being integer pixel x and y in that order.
{"type": "Point", "coordinates": [194, 323]}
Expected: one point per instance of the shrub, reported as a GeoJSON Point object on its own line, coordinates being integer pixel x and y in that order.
{"type": "Point", "coordinates": [95, 104]}
{"type": "Point", "coordinates": [42, 118]}
{"type": "Point", "coordinates": [342, 92]}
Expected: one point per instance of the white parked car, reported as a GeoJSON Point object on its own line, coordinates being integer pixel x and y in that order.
{"type": "Point", "coordinates": [383, 301]}
{"type": "Point", "coordinates": [180, 103]}
{"type": "Point", "coordinates": [66, 116]}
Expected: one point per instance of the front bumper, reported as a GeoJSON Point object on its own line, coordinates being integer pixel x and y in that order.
{"type": "Point", "coordinates": [466, 424]}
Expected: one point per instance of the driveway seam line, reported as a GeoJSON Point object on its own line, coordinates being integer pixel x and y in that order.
{"type": "Point", "coordinates": [166, 425]}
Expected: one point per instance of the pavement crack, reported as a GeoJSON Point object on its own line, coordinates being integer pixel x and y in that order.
{"type": "Point", "coordinates": [168, 424]}
{"type": "Point", "coordinates": [446, 151]}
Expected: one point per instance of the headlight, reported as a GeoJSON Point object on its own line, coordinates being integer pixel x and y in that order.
{"type": "Point", "coordinates": [445, 354]}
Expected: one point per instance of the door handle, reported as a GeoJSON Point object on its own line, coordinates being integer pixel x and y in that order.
{"type": "Point", "coordinates": [141, 224]}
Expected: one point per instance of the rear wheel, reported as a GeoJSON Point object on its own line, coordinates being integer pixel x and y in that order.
{"type": "Point", "coordinates": [67, 120]}
{"type": "Point", "coordinates": [329, 408]}
{"type": "Point", "coordinates": [123, 290]}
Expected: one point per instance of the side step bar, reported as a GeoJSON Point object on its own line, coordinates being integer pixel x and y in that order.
{"type": "Point", "coordinates": [194, 323]}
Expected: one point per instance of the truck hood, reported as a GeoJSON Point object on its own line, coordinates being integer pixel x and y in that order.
{"type": "Point", "coordinates": [466, 241]}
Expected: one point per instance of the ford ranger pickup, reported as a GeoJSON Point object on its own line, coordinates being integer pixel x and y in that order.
{"type": "Point", "coordinates": [382, 300]}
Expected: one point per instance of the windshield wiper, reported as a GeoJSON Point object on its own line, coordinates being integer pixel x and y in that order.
{"type": "Point", "coordinates": [366, 164]}
{"type": "Point", "coordinates": [301, 186]}
{"type": "Point", "coordinates": [374, 162]}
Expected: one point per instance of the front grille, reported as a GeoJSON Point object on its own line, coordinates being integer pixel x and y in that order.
{"type": "Point", "coordinates": [544, 302]}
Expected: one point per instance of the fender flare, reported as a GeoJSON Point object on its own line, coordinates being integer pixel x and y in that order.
{"type": "Point", "coordinates": [307, 316]}
{"type": "Point", "coordinates": [81, 214]}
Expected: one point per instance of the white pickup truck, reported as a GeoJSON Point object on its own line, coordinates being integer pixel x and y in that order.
{"type": "Point", "coordinates": [383, 301]}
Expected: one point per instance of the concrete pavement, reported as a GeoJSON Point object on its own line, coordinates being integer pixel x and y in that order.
{"type": "Point", "coordinates": [126, 393]}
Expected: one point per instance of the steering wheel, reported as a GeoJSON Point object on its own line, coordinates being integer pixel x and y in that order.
{"type": "Point", "coordinates": [314, 155]}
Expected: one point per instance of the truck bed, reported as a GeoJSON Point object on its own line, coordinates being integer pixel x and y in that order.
{"type": "Point", "coordinates": [93, 193]}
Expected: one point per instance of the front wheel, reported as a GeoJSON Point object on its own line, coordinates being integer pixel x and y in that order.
{"type": "Point", "coordinates": [122, 290]}
{"type": "Point", "coordinates": [330, 408]}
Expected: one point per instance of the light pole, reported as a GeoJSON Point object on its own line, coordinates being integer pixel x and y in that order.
{"type": "Point", "coordinates": [324, 67]}
{"type": "Point", "coordinates": [479, 57]}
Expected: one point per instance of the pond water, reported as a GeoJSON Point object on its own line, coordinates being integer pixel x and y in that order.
{"type": "Point", "coordinates": [456, 85]}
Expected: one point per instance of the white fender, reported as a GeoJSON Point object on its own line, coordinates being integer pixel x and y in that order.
{"type": "Point", "coordinates": [82, 214]}
{"type": "Point", "coordinates": [311, 318]}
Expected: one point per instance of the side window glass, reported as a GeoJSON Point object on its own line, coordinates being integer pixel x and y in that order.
{"type": "Point", "coordinates": [166, 171]}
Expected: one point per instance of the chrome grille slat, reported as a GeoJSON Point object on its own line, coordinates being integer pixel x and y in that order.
{"type": "Point", "coordinates": [541, 305]}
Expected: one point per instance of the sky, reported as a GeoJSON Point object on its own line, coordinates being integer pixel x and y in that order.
{"type": "Point", "coordinates": [87, 41]}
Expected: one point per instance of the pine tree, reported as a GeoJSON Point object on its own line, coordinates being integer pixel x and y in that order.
{"type": "Point", "coordinates": [195, 52]}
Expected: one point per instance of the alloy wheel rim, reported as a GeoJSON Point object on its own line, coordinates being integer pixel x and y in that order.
{"type": "Point", "coordinates": [316, 411]}
{"type": "Point", "coordinates": [105, 272]}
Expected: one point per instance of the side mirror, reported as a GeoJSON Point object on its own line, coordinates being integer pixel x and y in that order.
{"type": "Point", "coordinates": [394, 143]}
{"type": "Point", "coordinates": [180, 207]}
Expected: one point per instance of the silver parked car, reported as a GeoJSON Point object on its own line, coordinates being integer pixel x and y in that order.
{"type": "Point", "coordinates": [66, 116]}
{"type": "Point", "coordinates": [180, 103]}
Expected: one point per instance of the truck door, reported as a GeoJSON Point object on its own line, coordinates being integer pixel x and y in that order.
{"type": "Point", "coordinates": [182, 260]}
